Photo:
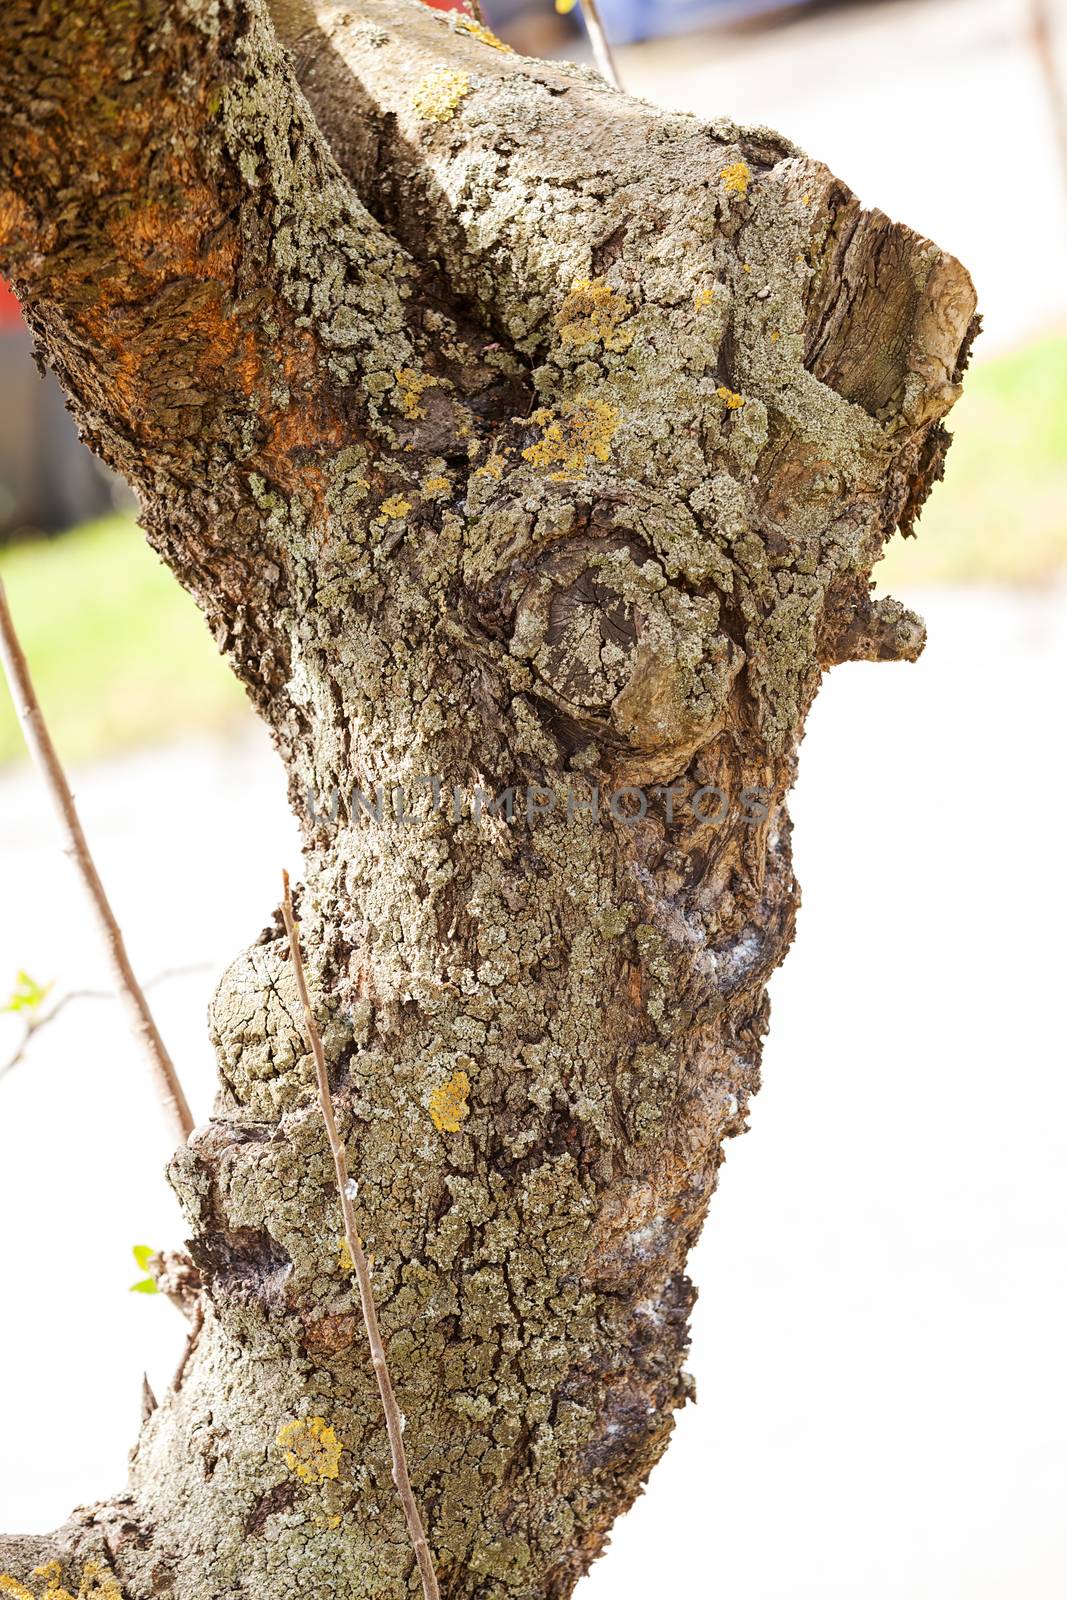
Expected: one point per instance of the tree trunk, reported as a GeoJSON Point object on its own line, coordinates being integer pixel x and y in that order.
{"type": "Point", "coordinates": [520, 438]}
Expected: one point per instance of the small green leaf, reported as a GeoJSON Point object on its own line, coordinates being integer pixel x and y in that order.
{"type": "Point", "coordinates": [142, 1254]}
{"type": "Point", "coordinates": [27, 994]}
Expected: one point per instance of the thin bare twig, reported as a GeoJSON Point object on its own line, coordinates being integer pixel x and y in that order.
{"type": "Point", "coordinates": [394, 1423]}
{"type": "Point", "coordinates": [38, 1020]}
{"type": "Point", "coordinates": [1043, 36]}
{"type": "Point", "coordinates": [603, 54]}
{"type": "Point", "coordinates": [42, 749]}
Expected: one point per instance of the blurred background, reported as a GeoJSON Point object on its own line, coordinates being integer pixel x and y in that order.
{"type": "Point", "coordinates": [878, 1342]}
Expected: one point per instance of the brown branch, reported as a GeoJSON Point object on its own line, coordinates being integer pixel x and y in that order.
{"type": "Point", "coordinates": [39, 741]}
{"type": "Point", "coordinates": [197, 1319]}
{"type": "Point", "coordinates": [393, 1421]}
{"type": "Point", "coordinates": [603, 54]}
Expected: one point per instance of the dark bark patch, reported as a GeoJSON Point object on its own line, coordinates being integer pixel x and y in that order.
{"type": "Point", "coordinates": [281, 1498]}
{"type": "Point", "coordinates": [245, 1263]}
{"type": "Point", "coordinates": [608, 251]}
{"type": "Point", "coordinates": [929, 470]}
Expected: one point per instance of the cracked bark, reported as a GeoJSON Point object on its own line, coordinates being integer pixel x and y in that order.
{"type": "Point", "coordinates": [511, 431]}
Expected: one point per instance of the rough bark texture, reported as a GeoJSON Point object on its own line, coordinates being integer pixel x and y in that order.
{"type": "Point", "coordinates": [528, 437]}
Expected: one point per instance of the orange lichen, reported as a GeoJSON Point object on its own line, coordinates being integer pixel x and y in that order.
{"type": "Point", "coordinates": [296, 430]}
{"type": "Point", "coordinates": [439, 93]}
{"type": "Point", "coordinates": [730, 398]}
{"type": "Point", "coordinates": [591, 314]}
{"type": "Point", "coordinates": [583, 433]}
{"type": "Point", "coordinates": [449, 1103]}
{"type": "Point", "coordinates": [345, 1254]}
{"type": "Point", "coordinates": [312, 1449]}
{"type": "Point", "coordinates": [703, 298]}
{"type": "Point", "coordinates": [162, 242]}
{"type": "Point", "coordinates": [328, 1335]}
{"type": "Point", "coordinates": [15, 218]}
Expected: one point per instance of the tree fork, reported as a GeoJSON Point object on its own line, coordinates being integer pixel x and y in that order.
{"type": "Point", "coordinates": [512, 436]}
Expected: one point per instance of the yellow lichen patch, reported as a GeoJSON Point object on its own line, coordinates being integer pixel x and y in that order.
{"type": "Point", "coordinates": [583, 433]}
{"type": "Point", "coordinates": [12, 1586]}
{"type": "Point", "coordinates": [493, 468]}
{"type": "Point", "coordinates": [737, 177]}
{"type": "Point", "coordinates": [345, 1254]}
{"type": "Point", "coordinates": [52, 1573]}
{"type": "Point", "coordinates": [591, 314]}
{"type": "Point", "coordinates": [395, 506]}
{"type": "Point", "coordinates": [312, 1449]}
{"type": "Point", "coordinates": [730, 398]}
{"type": "Point", "coordinates": [96, 1584]}
{"type": "Point", "coordinates": [436, 483]}
{"type": "Point", "coordinates": [439, 93]}
{"type": "Point", "coordinates": [448, 1103]}
{"type": "Point", "coordinates": [775, 336]}
{"type": "Point", "coordinates": [412, 385]}
{"type": "Point", "coordinates": [477, 30]}
{"type": "Point", "coordinates": [805, 199]}
{"type": "Point", "coordinates": [703, 298]}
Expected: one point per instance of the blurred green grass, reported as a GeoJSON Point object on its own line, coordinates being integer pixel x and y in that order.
{"type": "Point", "coordinates": [121, 656]}
{"type": "Point", "coordinates": [1000, 516]}
{"type": "Point", "coordinates": [119, 653]}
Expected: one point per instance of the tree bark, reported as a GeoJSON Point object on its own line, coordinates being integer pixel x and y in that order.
{"type": "Point", "coordinates": [512, 435]}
